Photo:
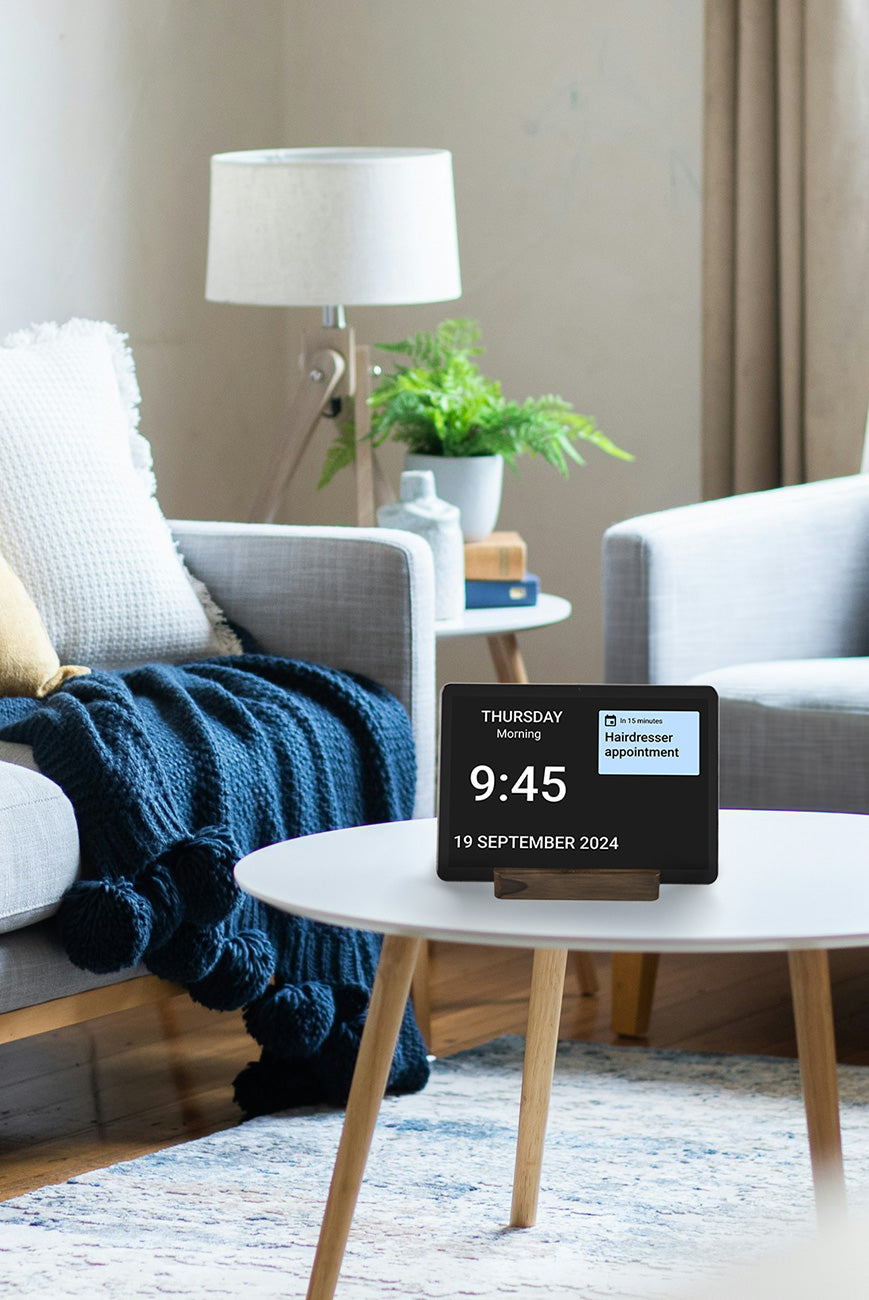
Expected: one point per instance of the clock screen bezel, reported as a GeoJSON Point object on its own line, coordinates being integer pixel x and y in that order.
{"type": "Point", "coordinates": [697, 795]}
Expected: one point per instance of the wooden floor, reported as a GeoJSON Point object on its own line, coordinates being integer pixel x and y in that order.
{"type": "Point", "coordinates": [115, 1088]}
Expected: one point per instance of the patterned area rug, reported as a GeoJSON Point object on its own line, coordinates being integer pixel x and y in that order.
{"type": "Point", "coordinates": [660, 1169]}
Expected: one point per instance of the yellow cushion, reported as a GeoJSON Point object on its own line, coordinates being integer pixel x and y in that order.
{"type": "Point", "coordinates": [28, 661]}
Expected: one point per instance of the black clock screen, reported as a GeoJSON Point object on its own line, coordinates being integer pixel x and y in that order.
{"type": "Point", "coordinates": [571, 776]}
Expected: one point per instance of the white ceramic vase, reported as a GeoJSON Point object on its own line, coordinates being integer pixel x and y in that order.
{"type": "Point", "coordinates": [419, 511]}
{"type": "Point", "coordinates": [473, 483]}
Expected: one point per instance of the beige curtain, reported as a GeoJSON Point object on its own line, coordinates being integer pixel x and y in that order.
{"type": "Point", "coordinates": [785, 241]}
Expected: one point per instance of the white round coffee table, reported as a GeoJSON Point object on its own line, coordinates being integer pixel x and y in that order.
{"type": "Point", "coordinates": [788, 881]}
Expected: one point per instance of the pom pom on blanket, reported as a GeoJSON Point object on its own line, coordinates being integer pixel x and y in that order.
{"type": "Point", "coordinates": [188, 956]}
{"type": "Point", "coordinates": [292, 1022]}
{"type": "Point", "coordinates": [105, 925]}
{"type": "Point", "coordinates": [201, 866]}
{"type": "Point", "coordinates": [241, 973]}
{"type": "Point", "coordinates": [274, 1083]}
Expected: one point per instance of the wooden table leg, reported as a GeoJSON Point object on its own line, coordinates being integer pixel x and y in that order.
{"type": "Point", "coordinates": [507, 658]}
{"type": "Point", "coordinates": [420, 991]}
{"type": "Point", "coordinates": [633, 985]}
{"type": "Point", "coordinates": [388, 999]}
{"type": "Point", "coordinates": [813, 1017]}
{"type": "Point", "coordinates": [586, 973]}
{"type": "Point", "coordinates": [541, 1041]}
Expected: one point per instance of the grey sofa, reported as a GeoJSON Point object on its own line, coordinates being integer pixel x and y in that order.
{"type": "Point", "coordinates": [357, 599]}
{"type": "Point", "coordinates": [764, 596]}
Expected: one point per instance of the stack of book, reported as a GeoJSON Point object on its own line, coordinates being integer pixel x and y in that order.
{"type": "Point", "coordinates": [496, 573]}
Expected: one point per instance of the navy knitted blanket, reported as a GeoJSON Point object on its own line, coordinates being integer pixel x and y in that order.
{"type": "Point", "coordinates": [176, 772]}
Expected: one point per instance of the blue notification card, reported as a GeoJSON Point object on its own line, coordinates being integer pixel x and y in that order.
{"type": "Point", "coordinates": [580, 777]}
{"type": "Point", "coordinates": [665, 742]}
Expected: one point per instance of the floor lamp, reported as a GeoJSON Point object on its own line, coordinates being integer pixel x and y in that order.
{"type": "Point", "coordinates": [331, 228]}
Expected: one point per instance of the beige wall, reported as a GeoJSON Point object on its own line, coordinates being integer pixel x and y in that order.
{"type": "Point", "coordinates": [111, 110]}
{"type": "Point", "coordinates": [575, 129]}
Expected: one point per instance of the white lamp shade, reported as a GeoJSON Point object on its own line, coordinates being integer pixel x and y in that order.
{"type": "Point", "coordinates": [316, 227]}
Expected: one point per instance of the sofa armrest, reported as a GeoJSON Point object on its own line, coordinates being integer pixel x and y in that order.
{"type": "Point", "coordinates": [353, 598]}
{"type": "Point", "coordinates": [782, 574]}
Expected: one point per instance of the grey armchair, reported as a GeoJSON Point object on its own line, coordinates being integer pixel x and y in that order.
{"type": "Point", "coordinates": [356, 599]}
{"type": "Point", "coordinates": [765, 597]}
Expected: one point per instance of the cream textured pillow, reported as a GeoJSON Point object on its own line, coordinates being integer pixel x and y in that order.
{"type": "Point", "coordinates": [78, 521]}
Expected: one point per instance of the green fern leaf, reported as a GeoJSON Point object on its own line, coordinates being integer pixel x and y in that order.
{"type": "Point", "coordinates": [340, 454]}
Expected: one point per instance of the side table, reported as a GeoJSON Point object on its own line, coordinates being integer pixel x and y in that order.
{"type": "Point", "coordinates": [500, 626]}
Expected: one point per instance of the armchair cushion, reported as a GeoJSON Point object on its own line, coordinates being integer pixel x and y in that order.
{"type": "Point", "coordinates": [794, 734]}
{"type": "Point", "coordinates": [81, 528]}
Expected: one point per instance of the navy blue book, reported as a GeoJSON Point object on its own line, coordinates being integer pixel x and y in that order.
{"type": "Point", "coordinates": [498, 593]}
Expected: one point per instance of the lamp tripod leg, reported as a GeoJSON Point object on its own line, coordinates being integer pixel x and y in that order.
{"type": "Point", "coordinates": [325, 372]}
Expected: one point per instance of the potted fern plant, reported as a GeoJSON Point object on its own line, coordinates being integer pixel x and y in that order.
{"type": "Point", "coordinates": [457, 423]}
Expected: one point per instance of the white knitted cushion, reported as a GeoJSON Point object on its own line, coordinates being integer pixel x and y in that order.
{"type": "Point", "coordinates": [78, 519]}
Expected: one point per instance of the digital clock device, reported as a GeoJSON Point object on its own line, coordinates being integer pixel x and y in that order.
{"type": "Point", "coordinates": [578, 777]}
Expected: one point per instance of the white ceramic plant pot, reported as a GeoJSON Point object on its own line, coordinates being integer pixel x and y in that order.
{"type": "Point", "coordinates": [473, 483]}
